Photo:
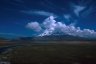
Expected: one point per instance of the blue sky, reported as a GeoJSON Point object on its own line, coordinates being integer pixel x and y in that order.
{"type": "Point", "coordinates": [16, 14]}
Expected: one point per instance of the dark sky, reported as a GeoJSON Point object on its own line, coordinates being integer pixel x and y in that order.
{"type": "Point", "coordinates": [15, 14]}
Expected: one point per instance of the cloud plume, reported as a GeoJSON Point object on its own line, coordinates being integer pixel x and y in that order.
{"type": "Point", "coordinates": [51, 26]}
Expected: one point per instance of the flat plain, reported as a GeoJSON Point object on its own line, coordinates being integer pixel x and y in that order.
{"type": "Point", "coordinates": [50, 52]}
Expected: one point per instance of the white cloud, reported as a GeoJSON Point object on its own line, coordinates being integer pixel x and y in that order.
{"type": "Point", "coordinates": [78, 9]}
{"type": "Point", "coordinates": [51, 27]}
{"type": "Point", "coordinates": [42, 13]}
{"type": "Point", "coordinates": [34, 26]}
{"type": "Point", "coordinates": [49, 24]}
{"type": "Point", "coordinates": [54, 27]}
{"type": "Point", "coordinates": [67, 17]}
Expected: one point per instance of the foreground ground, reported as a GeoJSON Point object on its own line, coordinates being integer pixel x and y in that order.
{"type": "Point", "coordinates": [51, 52]}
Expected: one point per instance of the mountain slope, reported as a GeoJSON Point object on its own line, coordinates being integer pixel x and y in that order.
{"type": "Point", "coordinates": [56, 37]}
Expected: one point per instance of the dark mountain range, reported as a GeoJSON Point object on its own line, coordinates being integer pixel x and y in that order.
{"type": "Point", "coordinates": [49, 38]}
{"type": "Point", "coordinates": [56, 37]}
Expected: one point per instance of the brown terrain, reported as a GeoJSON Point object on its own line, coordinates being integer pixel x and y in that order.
{"type": "Point", "coordinates": [49, 52]}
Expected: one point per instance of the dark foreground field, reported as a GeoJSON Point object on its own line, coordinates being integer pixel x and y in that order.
{"type": "Point", "coordinates": [49, 52]}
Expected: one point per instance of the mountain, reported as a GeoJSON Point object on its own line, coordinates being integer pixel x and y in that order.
{"type": "Point", "coordinates": [49, 38]}
{"type": "Point", "coordinates": [56, 37]}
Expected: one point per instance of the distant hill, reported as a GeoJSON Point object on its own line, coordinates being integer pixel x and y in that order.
{"type": "Point", "coordinates": [2, 38]}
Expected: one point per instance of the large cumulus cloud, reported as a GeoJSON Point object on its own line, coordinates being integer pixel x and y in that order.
{"type": "Point", "coordinates": [52, 27]}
